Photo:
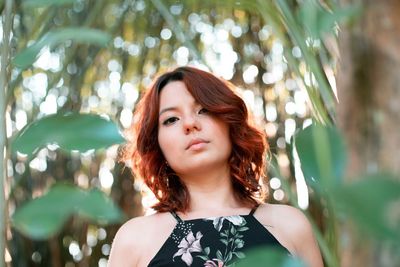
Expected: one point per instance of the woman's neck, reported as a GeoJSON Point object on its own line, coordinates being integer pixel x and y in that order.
{"type": "Point", "coordinates": [212, 194]}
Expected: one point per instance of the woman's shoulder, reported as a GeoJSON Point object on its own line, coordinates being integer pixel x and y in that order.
{"type": "Point", "coordinates": [142, 225]}
{"type": "Point", "coordinates": [282, 214]}
{"type": "Point", "coordinates": [289, 224]}
{"type": "Point", "coordinates": [130, 241]}
{"type": "Point", "coordinates": [292, 229]}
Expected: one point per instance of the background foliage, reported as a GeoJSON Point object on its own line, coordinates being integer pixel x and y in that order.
{"type": "Point", "coordinates": [73, 70]}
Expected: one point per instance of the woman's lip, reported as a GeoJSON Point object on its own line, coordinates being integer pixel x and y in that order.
{"type": "Point", "coordinates": [196, 142]}
{"type": "Point", "coordinates": [197, 146]}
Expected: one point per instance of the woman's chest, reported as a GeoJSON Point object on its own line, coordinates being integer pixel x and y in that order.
{"type": "Point", "coordinates": [212, 242]}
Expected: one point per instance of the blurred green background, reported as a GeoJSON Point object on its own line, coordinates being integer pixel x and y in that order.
{"type": "Point", "coordinates": [319, 76]}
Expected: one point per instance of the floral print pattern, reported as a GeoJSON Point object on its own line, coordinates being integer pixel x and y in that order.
{"type": "Point", "coordinates": [188, 245]}
{"type": "Point", "coordinates": [231, 238]}
{"type": "Point", "coordinates": [213, 242]}
{"type": "Point", "coordinates": [214, 263]}
{"type": "Point", "coordinates": [218, 221]}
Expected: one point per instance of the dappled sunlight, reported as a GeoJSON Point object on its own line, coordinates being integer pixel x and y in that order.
{"type": "Point", "coordinates": [107, 79]}
{"type": "Point", "coordinates": [301, 185]}
{"type": "Point", "coordinates": [48, 60]}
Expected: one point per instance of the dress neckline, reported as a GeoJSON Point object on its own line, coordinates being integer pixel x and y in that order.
{"type": "Point", "coordinates": [180, 220]}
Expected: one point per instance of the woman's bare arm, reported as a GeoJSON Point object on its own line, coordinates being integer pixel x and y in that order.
{"type": "Point", "coordinates": [305, 243]}
{"type": "Point", "coordinates": [124, 250]}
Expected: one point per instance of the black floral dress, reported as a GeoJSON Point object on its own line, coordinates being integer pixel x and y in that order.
{"type": "Point", "coordinates": [213, 242]}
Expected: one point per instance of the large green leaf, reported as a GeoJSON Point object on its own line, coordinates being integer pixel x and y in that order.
{"type": "Point", "coordinates": [318, 21]}
{"type": "Point", "coordinates": [106, 212]}
{"type": "Point", "coordinates": [42, 3]}
{"type": "Point", "coordinates": [72, 131]}
{"type": "Point", "coordinates": [43, 217]}
{"type": "Point", "coordinates": [322, 154]}
{"type": "Point", "coordinates": [368, 202]}
{"type": "Point", "coordinates": [79, 34]}
{"type": "Point", "coordinates": [267, 256]}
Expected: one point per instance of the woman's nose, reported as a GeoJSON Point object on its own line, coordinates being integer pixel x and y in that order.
{"type": "Point", "coordinates": [191, 123]}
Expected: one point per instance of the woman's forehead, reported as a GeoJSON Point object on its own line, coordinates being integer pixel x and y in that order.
{"type": "Point", "coordinates": [175, 93]}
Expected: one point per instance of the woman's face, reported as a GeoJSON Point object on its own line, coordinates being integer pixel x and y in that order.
{"type": "Point", "coordinates": [191, 139]}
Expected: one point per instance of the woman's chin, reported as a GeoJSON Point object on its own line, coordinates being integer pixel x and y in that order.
{"type": "Point", "coordinates": [202, 167]}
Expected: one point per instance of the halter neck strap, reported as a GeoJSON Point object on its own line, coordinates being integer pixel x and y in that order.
{"type": "Point", "coordinates": [254, 209]}
{"type": "Point", "coordinates": [176, 216]}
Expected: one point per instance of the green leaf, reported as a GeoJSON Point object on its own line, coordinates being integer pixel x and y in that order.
{"type": "Point", "coordinates": [43, 3]}
{"type": "Point", "coordinates": [308, 14]}
{"type": "Point", "coordinates": [44, 216]}
{"type": "Point", "coordinates": [319, 21]}
{"type": "Point", "coordinates": [77, 34]}
{"type": "Point", "coordinates": [239, 254]}
{"type": "Point", "coordinates": [233, 230]}
{"type": "Point", "coordinates": [260, 256]}
{"type": "Point", "coordinates": [368, 202]}
{"type": "Point", "coordinates": [228, 257]}
{"type": "Point", "coordinates": [41, 218]}
{"type": "Point", "coordinates": [207, 250]}
{"type": "Point", "coordinates": [219, 255]}
{"type": "Point", "coordinates": [104, 213]}
{"type": "Point", "coordinates": [71, 131]}
{"type": "Point", "coordinates": [322, 154]}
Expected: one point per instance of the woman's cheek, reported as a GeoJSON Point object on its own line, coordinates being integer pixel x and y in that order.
{"type": "Point", "coordinates": [161, 141]}
{"type": "Point", "coordinates": [167, 141]}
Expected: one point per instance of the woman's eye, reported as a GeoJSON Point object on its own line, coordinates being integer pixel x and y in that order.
{"type": "Point", "coordinates": [203, 110]}
{"type": "Point", "coordinates": [170, 120]}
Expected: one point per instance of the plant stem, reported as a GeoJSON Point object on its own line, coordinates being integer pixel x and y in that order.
{"type": "Point", "coordinates": [5, 51]}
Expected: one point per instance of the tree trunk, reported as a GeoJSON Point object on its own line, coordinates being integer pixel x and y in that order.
{"type": "Point", "coordinates": [368, 84]}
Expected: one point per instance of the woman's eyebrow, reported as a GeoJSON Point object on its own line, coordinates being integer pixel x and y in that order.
{"type": "Point", "coordinates": [167, 109]}
{"type": "Point", "coordinates": [173, 108]}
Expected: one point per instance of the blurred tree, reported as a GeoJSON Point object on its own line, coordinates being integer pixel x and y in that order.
{"type": "Point", "coordinates": [368, 112]}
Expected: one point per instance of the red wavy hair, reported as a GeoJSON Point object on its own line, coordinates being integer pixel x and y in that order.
{"type": "Point", "coordinates": [247, 161]}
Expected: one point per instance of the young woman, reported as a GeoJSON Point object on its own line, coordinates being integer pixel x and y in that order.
{"type": "Point", "coordinates": [196, 151]}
